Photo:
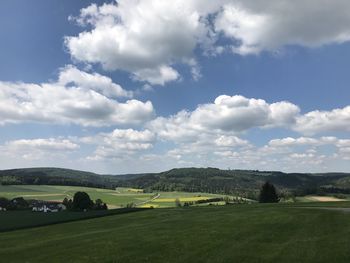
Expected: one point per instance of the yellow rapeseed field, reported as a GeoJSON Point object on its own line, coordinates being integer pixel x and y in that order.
{"type": "Point", "coordinates": [182, 199]}
{"type": "Point", "coordinates": [149, 206]}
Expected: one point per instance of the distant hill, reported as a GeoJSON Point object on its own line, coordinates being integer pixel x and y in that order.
{"type": "Point", "coordinates": [214, 180]}
{"type": "Point", "coordinates": [56, 176]}
{"type": "Point", "coordinates": [211, 180]}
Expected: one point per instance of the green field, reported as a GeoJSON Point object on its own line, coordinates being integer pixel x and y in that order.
{"type": "Point", "coordinates": [236, 233]}
{"type": "Point", "coordinates": [12, 220]}
{"type": "Point", "coordinates": [114, 198]}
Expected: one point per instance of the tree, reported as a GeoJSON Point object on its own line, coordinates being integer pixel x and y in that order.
{"type": "Point", "coordinates": [4, 202]}
{"type": "Point", "coordinates": [177, 202]}
{"type": "Point", "coordinates": [99, 205]}
{"type": "Point", "coordinates": [19, 203]}
{"type": "Point", "coordinates": [268, 194]}
{"type": "Point", "coordinates": [82, 201]}
{"type": "Point", "coordinates": [68, 203]}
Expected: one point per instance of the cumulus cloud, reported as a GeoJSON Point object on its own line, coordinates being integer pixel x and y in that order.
{"type": "Point", "coordinates": [227, 114]}
{"type": "Point", "coordinates": [287, 154]}
{"type": "Point", "coordinates": [148, 38]}
{"type": "Point", "coordinates": [70, 75]}
{"type": "Point", "coordinates": [33, 149]}
{"type": "Point", "coordinates": [76, 98]}
{"type": "Point", "coordinates": [120, 143]}
{"type": "Point", "coordinates": [289, 141]}
{"type": "Point", "coordinates": [208, 136]}
{"type": "Point", "coordinates": [309, 147]}
{"type": "Point", "coordinates": [324, 121]}
{"type": "Point", "coordinates": [157, 76]}
{"type": "Point", "coordinates": [43, 144]}
{"type": "Point", "coordinates": [291, 154]}
{"type": "Point", "coordinates": [255, 26]}
{"type": "Point", "coordinates": [142, 37]}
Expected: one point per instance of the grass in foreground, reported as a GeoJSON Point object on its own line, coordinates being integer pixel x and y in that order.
{"type": "Point", "coordinates": [242, 233]}
{"type": "Point", "coordinates": [12, 220]}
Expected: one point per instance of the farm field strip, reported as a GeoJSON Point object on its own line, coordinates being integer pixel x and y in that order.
{"type": "Point", "coordinates": [182, 199]}
{"type": "Point", "coordinates": [113, 198]}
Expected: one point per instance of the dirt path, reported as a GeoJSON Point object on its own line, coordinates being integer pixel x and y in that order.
{"type": "Point", "coordinates": [149, 200]}
{"type": "Point", "coordinates": [325, 199]}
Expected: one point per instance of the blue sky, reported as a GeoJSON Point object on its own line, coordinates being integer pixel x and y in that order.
{"type": "Point", "coordinates": [146, 85]}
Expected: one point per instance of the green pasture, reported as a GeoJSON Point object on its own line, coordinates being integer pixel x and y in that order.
{"type": "Point", "coordinates": [233, 233]}
{"type": "Point", "coordinates": [12, 220]}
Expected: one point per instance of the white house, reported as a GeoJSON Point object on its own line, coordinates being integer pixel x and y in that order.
{"type": "Point", "coordinates": [48, 207]}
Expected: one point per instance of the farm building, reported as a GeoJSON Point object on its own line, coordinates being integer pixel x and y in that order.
{"type": "Point", "coordinates": [48, 207]}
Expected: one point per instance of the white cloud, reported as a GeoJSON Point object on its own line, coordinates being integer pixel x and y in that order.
{"type": "Point", "coordinates": [120, 143]}
{"type": "Point", "coordinates": [230, 141]}
{"type": "Point", "coordinates": [237, 113]}
{"type": "Point", "coordinates": [207, 136]}
{"type": "Point", "coordinates": [244, 26]}
{"type": "Point", "coordinates": [227, 114]}
{"type": "Point", "coordinates": [157, 76]}
{"type": "Point", "coordinates": [142, 37]}
{"type": "Point", "coordinates": [77, 98]}
{"type": "Point", "coordinates": [43, 144]}
{"type": "Point", "coordinates": [34, 149]}
{"type": "Point", "coordinates": [255, 26]}
{"type": "Point", "coordinates": [310, 148]}
{"type": "Point", "coordinates": [324, 121]}
{"type": "Point", "coordinates": [149, 37]}
{"type": "Point", "coordinates": [289, 141]}
{"type": "Point", "coordinates": [70, 75]}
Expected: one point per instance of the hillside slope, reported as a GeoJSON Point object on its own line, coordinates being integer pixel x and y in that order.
{"type": "Point", "coordinates": [210, 180]}
{"type": "Point", "coordinates": [232, 181]}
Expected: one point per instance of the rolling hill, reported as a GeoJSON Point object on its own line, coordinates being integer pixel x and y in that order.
{"type": "Point", "coordinates": [210, 180]}
{"type": "Point", "coordinates": [56, 176]}
{"type": "Point", "coordinates": [214, 180]}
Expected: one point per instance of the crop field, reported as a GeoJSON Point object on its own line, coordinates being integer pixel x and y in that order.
{"type": "Point", "coordinates": [234, 233]}
{"type": "Point", "coordinates": [314, 198]}
{"type": "Point", "coordinates": [114, 198]}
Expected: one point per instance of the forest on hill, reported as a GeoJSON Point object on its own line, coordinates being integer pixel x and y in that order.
{"type": "Point", "coordinates": [210, 180]}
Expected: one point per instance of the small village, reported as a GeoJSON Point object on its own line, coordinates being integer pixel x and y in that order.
{"type": "Point", "coordinates": [81, 202]}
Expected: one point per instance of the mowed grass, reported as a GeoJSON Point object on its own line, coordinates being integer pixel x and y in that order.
{"type": "Point", "coordinates": [119, 197]}
{"type": "Point", "coordinates": [237, 233]}
{"type": "Point", "coordinates": [13, 220]}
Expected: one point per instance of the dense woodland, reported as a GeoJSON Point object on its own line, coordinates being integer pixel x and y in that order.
{"type": "Point", "coordinates": [56, 176]}
{"type": "Point", "coordinates": [212, 180]}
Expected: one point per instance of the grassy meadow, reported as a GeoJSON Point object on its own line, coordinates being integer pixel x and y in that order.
{"type": "Point", "coordinates": [234, 233]}
{"type": "Point", "coordinates": [313, 229]}
{"type": "Point", "coordinates": [13, 220]}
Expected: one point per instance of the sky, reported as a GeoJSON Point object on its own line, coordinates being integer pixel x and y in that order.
{"type": "Point", "coordinates": [133, 86]}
